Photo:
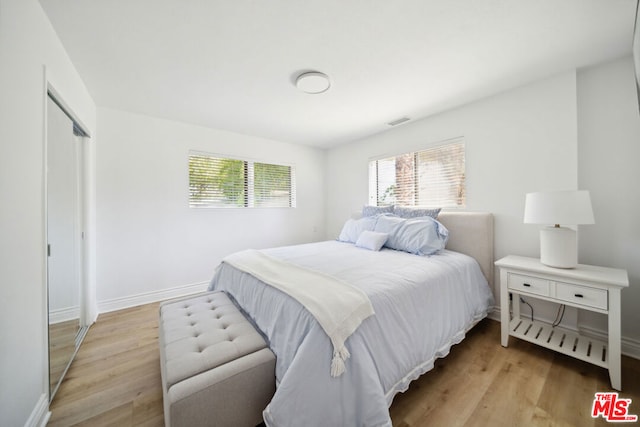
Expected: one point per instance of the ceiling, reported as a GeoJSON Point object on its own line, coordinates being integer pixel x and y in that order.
{"type": "Point", "coordinates": [232, 64]}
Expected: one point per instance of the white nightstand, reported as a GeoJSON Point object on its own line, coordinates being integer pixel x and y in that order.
{"type": "Point", "coordinates": [586, 287]}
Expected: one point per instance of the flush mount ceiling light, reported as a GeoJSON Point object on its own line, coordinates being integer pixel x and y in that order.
{"type": "Point", "coordinates": [313, 82]}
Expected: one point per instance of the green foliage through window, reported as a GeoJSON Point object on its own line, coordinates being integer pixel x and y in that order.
{"type": "Point", "coordinates": [271, 185]}
{"type": "Point", "coordinates": [220, 182]}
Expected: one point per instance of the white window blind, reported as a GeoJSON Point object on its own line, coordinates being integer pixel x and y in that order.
{"type": "Point", "coordinates": [273, 185]}
{"type": "Point", "coordinates": [434, 177]}
{"type": "Point", "coordinates": [219, 182]}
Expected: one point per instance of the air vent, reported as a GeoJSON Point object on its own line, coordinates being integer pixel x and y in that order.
{"type": "Point", "coordinates": [398, 121]}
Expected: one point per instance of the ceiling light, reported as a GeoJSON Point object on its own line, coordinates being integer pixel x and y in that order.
{"type": "Point", "coordinates": [313, 82]}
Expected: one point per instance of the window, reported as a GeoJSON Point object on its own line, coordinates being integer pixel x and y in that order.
{"type": "Point", "coordinates": [431, 178]}
{"type": "Point", "coordinates": [219, 182]}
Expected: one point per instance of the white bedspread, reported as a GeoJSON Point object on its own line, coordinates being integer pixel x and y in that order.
{"type": "Point", "coordinates": [423, 306]}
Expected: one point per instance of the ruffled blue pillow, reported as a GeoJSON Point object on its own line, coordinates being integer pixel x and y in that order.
{"type": "Point", "coordinates": [420, 236]}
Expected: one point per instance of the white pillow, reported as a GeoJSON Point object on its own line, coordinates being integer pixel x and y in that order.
{"type": "Point", "coordinates": [371, 240]}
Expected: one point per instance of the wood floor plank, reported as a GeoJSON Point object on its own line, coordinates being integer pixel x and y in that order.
{"type": "Point", "coordinates": [116, 374]}
{"type": "Point", "coordinates": [113, 393]}
{"type": "Point", "coordinates": [145, 409]}
{"type": "Point", "coordinates": [115, 380]}
{"type": "Point", "coordinates": [451, 393]}
{"type": "Point", "coordinates": [119, 416]}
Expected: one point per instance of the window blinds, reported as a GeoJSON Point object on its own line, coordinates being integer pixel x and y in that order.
{"type": "Point", "coordinates": [434, 177]}
{"type": "Point", "coordinates": [219, 182]}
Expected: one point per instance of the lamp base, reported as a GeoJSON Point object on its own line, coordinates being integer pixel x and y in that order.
{"type": "Point", "coordinates": [558, 247]}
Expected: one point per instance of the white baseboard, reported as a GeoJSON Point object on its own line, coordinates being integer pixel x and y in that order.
{"type": "Point", "coordinates": [64, 314]}
{"type": "Point", "coordinates": [40, 415]}
{"type": "Point", "coordinates": [494, 314]}
{"type": "Point", "coordinates": [149, 297]}
{"type": "Point", "coordinates": [630, 347]}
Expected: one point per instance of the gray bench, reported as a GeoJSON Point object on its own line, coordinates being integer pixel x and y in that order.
{"type": "Point", "coordinates": [216, 368]}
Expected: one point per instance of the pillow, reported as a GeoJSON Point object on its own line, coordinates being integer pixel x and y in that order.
{"type": "Point", "coordinates": [387, 223]}
{"type": "Point", "coordinates": [423, 236]}
{"type": "Point", "coordinates": [376, 210]}
{"type": "Point", "coordinates": [371, 240]}
{"type": "Point", "coordinates": [353, 228]}
{"type": "Point", "coordinates": [416, 212]}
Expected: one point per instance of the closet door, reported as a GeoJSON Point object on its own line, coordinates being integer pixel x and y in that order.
{"type": "Point", "coordinates": [64, 241]}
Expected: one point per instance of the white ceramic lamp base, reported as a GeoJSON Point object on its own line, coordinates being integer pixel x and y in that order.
{"type": "Point", "coordinates": [558, 247]}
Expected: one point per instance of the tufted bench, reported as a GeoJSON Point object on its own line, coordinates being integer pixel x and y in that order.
{"type": "Point", "coordinates": [216, 368]}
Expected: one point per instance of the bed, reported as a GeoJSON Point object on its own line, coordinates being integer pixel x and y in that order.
{"type": "Point", "coordinates": [423, 305]}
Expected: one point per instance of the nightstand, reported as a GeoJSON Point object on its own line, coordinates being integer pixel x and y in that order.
{"type": "Point", "coordinates": [585, 287]}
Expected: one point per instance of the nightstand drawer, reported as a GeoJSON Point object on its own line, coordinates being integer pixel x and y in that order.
{"type": "Point", "coordinates": [532, 285]}
{"type": "Point", "coordinates": [582, 295]}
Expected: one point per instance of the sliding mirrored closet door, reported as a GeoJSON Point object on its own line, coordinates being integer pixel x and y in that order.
{"type": "Point", "coordinates": [65, 207]}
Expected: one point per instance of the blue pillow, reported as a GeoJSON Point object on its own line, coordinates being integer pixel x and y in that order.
{"type": "Point", "coordinates": [423, 236]}
{"type": "Point", "coordinates": [416, 212]}
{"type": "Point", "coordinates": [376, 210]}
{"type": "Point", "coordinates": [354, 227]}
{"type": "Point", "coordinates": [387, 223]}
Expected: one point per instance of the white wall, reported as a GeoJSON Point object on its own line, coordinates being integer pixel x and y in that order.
{"type": "Point", "coordinates": [27, 42]}
{"type": "Point", "coordinates": [516, 142]}
{"type": "Point", "coordinates": [608, 153]}
{"type": "Point", "coordinates": [150, 243]}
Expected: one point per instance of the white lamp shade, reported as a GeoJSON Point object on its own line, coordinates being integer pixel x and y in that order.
{"type": "Point", "coordinates": [558, 207]}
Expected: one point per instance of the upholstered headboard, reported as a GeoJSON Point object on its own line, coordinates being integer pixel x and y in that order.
{"type": "Point", "coordinates": [471, 233]}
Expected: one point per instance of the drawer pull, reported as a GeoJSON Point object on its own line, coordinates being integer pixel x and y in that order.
{"type": "Point", "coordinates": [579, 295]}
{"type": "Point", "coordinates": [526, 284]}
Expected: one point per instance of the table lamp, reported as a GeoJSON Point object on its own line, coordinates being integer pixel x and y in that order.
{"type": "Point", "coordinates": [558, 245]}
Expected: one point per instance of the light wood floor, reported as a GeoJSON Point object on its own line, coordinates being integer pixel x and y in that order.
{"type": "Point", "coordinates": [62, 345]}
{"type": "Point", "coordinates": [115, 380]}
